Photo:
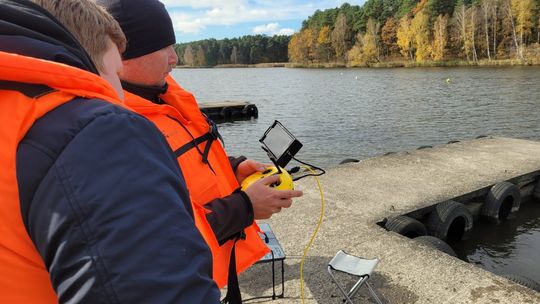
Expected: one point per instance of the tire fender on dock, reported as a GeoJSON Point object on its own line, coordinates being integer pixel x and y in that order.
{"type": "Point", "coordinates": [536, 192]}
{"type": "Point", "coordinates": [501, 200]}
{"type": "Point", "coordinates": [250, 110]}
{"type": "Point", "coordinates": [436, 243]}
{"type": "Point", "coordinates": [226, 113]}
{"type": "Point", "coordinates": [406, 226]}
{"type": "Point", "coordinates": [450, 221]}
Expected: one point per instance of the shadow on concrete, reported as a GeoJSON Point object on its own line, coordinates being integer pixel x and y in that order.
{"type": "Point", "coordinates": [318, 286]}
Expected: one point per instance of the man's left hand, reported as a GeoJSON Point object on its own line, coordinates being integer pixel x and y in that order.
{"type": "Point", "coordinates": [248, 167]}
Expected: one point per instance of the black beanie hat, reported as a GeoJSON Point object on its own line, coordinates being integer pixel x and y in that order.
{"type": "Point", "coordinates": [145, 23]}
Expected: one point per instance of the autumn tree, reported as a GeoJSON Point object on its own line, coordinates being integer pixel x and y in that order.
{"type": "Point", "coordinates": [487, 7]}
{"type": "Point", "coordinates": [310, 44]}
{"type": "Point", "coordinates": [302, 46]}
{"type": "Point", "coordinates": [324, 45]}
{"type": "Point", "coordinates": [200, 59]}
{"type": "Point", "coordinates": [296, 47]}
{"type": "Point", "coordinates": [421, 39]}
{"type": "Point", "coordinates": [461, 29]}
{"type": "Point", "coordinates": [440, 37]}
{"type": "Point", "coordinates": [523, 12]}
{"type": "Point", "coordinates": [509, 12]}
{"type": "Point", "coordinates": [189, 56]}
{"type": "Point", "coordinates": [371, 40]}
{"type": "Point", "coordinates": [472, 24]}
{"type": "Point", "coordinates": [405, 37]}
{"type": "Point", "coordinates": [355, 56]}
{"type": "Point", "coordinates": [389, 37]}
{"type": "Point", "coordinates": [341, 37]}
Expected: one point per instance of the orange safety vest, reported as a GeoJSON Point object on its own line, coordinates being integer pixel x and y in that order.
{"type": "Point", "coordinates": [182, 123]}
{"type": "Point", "coordinates": [23, 275]}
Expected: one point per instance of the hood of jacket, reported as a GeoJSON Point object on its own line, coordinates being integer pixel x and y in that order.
{"type": "Point", "coordinates": [37, 49]}
{"type": "Point", "coordinates": [37, 27]}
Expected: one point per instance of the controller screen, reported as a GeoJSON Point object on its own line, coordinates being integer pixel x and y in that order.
{"type": "Point", "coordinates": [278, 141]}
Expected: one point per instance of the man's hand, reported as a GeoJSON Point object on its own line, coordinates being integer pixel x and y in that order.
{"type": "Point", "coordinates": [266, 200]}
{"type": "Point", "coordinates": [248, 167]}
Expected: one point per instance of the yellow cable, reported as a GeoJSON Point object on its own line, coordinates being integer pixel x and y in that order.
{"type": "Point", "coordinates": [312, 237]}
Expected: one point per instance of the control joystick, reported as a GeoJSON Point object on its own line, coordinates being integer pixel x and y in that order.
{"type": "Point", "coordinates": [285, 181]}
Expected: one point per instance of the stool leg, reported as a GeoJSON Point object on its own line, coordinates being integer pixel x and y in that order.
{"type": "Point", "coordinates": [347, 298]}
{"type": "Point", "coordinates": [273, 277]}
{"type": "Point", "coordinates": [373, 294]}
{"type": "Point", "coordinates": [282, 280]}
{"type": "Point", "coordinates": [357, 286]}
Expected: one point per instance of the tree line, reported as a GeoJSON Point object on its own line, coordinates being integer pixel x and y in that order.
{"type": "Point", "coordinates": [244, 50]}
{"type": "Point", "coordinates": [420, 30]}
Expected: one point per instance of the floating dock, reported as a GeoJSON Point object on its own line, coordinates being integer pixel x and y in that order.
{"type": "Point", "coordinates": [359, 195]}
{"type": "Point", "coordinates": [229, 110]}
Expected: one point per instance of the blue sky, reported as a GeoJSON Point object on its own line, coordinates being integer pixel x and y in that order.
{"type": "Point", "coordinates": [202, 19]}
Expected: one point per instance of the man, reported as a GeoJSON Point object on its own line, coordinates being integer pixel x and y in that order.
{"type": "Point", "coordinates": [94, 207]}
{"type": "Point", "coordinates": [212, 178]}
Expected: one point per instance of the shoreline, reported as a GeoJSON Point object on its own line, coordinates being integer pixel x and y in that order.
{"type": "Point", "coordinates": [377, 65]}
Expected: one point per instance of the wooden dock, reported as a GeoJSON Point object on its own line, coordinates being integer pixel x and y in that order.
{"type": "Point", "coordinates": [229, 110]}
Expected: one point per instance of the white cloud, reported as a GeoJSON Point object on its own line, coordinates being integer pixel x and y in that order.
{"type": "Point", "coordinates": [194, 16]}
{"type": "Point", "coordinates": [272, 29]}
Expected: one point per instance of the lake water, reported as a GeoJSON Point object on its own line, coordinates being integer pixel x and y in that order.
{"type": "Point", "coordinates": [358, 113]}
{"type": "Point", "coordinates": [511, 247]}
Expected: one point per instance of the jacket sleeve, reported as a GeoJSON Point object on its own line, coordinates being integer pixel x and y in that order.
{"type": "Point", "coordinates": [235, 161]}
{"type": "Point", "coordinates": [229, 215]}
{"type": "Point", "coordinates": [111, 218]}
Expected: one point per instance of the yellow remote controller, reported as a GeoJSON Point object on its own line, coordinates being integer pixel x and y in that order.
{"type": "Point", "coordinates": [285, 180]}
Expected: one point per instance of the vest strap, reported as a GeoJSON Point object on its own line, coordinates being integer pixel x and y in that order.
{"type": "Point", "coordinates": [30, 90]}
{"type": "Point", "coordinates": [233, 296]}
{"type": "Point", "coordinates": [192, 144]}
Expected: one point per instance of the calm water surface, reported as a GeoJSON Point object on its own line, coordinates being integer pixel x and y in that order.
{"type": "Point", "coordinates": [509, 248]}
{"type": "Point", "coordinates": [358, 113]}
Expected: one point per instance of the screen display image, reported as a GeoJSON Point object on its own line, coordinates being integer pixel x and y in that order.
{"type": "Point", "coordinates": [280, 144]}
{"type": "Point", "coordinates": [278, 141]}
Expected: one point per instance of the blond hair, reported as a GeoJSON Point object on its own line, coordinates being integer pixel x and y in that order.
{"type": "Point", "coordinates": [91, 25]}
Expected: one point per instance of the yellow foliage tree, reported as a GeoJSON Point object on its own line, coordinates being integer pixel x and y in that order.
{"type": "Point", "coordinates": [405, 37]}
{"type": "Point", "coordinates": [324, 45]}
{"type": "Point", "coordinates": [420, 28]}
{"type": "Point", "coordinates": [523, 10]}
{"type": "Point", "coordinates": [440, 37]}
{"type": "Point", "coordinates": [371, 40]}
{"type": "Point", "coordinates": [310, 44]}
{"type": "Point", "coordinates": [341, 36]}
{"type": "Point", "coordinates": [355, 56]}
{"type": "Point", "coordinates": [302, 47]}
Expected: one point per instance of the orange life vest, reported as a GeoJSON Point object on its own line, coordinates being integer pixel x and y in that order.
{"type": "Point", "coordinates": [181, 122]}
{"type": "Point", "coordinates": [23, 276]}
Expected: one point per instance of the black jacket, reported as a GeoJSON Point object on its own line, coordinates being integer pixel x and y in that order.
{"type": "Point", "coordinates": [101, 194]}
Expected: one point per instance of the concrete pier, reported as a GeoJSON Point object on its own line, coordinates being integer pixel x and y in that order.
{"type": "Point", "coordinates": [358, 195]}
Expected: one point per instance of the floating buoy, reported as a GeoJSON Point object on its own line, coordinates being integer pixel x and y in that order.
{"type": "Point", "coordinates": [448, 80]}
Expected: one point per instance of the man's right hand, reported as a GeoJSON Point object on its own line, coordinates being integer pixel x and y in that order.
{"type": "Point", "coordinates": [266, 200]}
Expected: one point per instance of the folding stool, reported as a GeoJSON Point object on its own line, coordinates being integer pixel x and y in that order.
{"type": "Point", "coordinates": [355, 266]}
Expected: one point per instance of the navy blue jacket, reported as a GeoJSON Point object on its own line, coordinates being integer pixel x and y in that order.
{"type": "Point", "coordinates": [106, 206]}
{"type": "Point", "coordinates": [101, 193]}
